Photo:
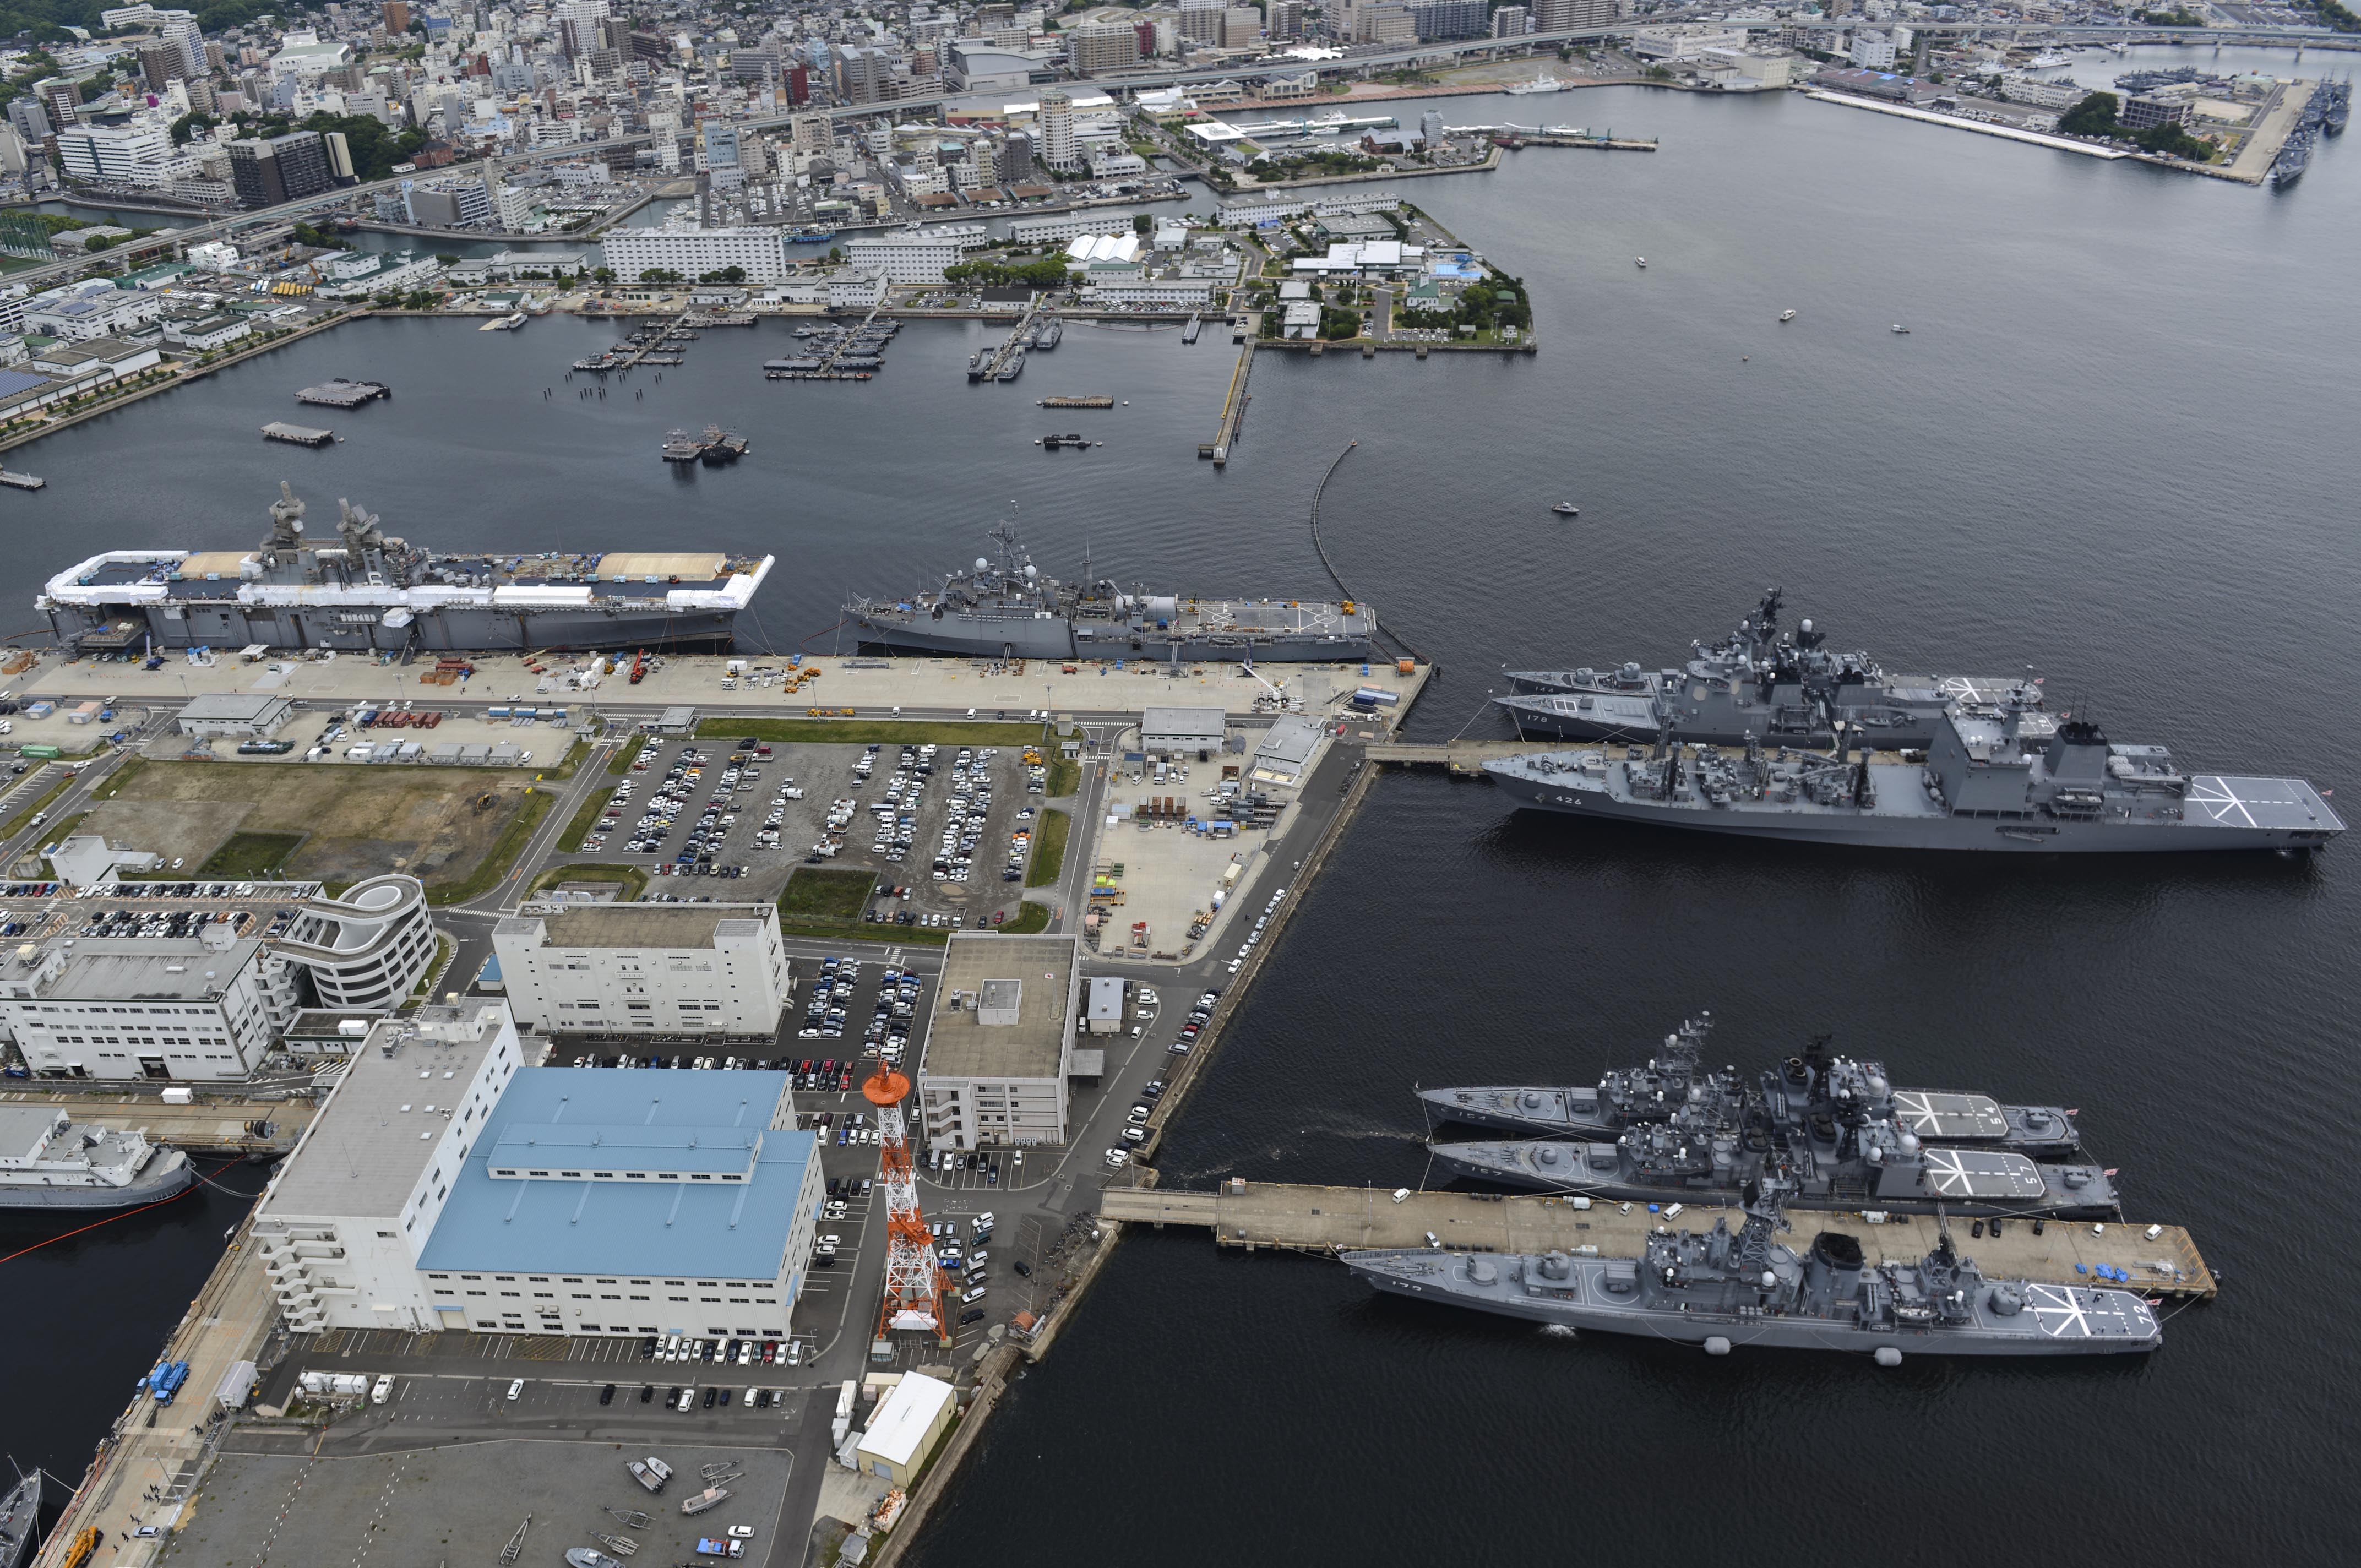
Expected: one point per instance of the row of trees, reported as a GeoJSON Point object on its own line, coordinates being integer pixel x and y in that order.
{"type": "Point", "coordinates": [1050, 273]}
{"type": "Point", "coordinates": [2095, 117]}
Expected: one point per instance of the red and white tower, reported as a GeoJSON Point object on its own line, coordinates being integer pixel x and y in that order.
{"type": "Point", "coordinates": [915, 1285]}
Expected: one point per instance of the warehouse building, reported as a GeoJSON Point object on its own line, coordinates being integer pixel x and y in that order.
{"type": "Point", "coordinates": [1171, 731]}
{"type": "Point", "coordinates": [671, 969]}
{"type": "Point", "coordinates": [446, 1185]}
{"type": "Point", "coordinates": [908, 1425]}
{"type": "Point", "coordinates": [1106, 1013]}
{"type": "Point", "coordinates": [1000, 1041]}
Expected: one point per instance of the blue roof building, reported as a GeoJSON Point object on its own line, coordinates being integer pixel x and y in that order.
{"type": "Point", "coordinates": [597, 1201]}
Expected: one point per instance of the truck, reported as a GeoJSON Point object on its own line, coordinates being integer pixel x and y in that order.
{"type": "Point", "coordinates": [166, 1380]}
{"type": "Point", "coordinates": [706, 1546]}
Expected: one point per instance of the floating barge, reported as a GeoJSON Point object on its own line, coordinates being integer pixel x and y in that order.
{"type": "Point", "coordinates": [1075, 403]}
{"type": "Point", "coordinates": [299, 435]}
{"type": "Point", "coordinates": [343, 394]}
{"type": "Point", "coordinates": [22, 481]}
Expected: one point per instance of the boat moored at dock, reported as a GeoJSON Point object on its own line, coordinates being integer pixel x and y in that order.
{"type": "Point", "coordinates": [365, 589]}
{"type": "Point", "coordinates": [47, 1160]}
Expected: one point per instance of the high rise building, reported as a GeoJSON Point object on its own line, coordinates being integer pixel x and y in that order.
{"type": "Point", "coordinates": [864, 75]}
{"type": "Point", "coordinates": [395, 14]}
{"type": "Point", "coordinates": [1056, 123]}
{"type": "Point", "coordinates": [1200, 20]}
{"type": "Point", "coordinates": [30, 117]}
{"type": "Point", "coordinates": [266, 170]}
{"type": "Point", "coordinates": [1012, 163]}
{"type": "Point", "coordinates": [1513, 22]}
{"type": "Point", "coordinates": [160, 63]}
{"type": "Point", "coordinates": [1444, 19]}
{"type": "Point", "coordinates": [1286, 18]}
{"type": "Point", "coordinates": [1566, 15]}
{"type": "Point", "coordinates": [179, 29]}
{"type": "Point", "coordinates": [1242, 25]}
{"type": "Point", "coordinates": [1098, 47]}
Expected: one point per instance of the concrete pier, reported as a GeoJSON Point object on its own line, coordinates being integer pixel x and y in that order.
{"type": "Point", "coordinates": [227, 1125]}
{"type": "Point", "coordinates": [1253, 1214]}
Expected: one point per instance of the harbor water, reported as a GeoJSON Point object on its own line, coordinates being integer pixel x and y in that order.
{"type": "Point", "coordinates": [2106, 450]}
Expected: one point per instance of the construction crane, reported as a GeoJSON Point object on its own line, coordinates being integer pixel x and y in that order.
{"type": "Point", "coordinates": [915, 1285]}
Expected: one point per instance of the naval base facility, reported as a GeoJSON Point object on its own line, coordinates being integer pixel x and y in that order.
{"type": "Point", "coordinates": [374, 591]}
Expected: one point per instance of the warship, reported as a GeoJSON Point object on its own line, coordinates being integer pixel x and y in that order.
{"type": "Point", "coordinates": [366, 590]}
{"type": "Point", "coordinates": [1726, 1288]}
{"type": "Point", "coordinates": [1783, 687]}
{"type": "Point", "coordinates": [1995, 778]}
{"type": "Point", "coordinates": [1810, 1087]}
{"type": "Point", "coordinates": [1009, 609]}
{"type": "Point", "coordinates": [20, 1519]}
{"type": "Point", "coordinates": [49, 1161]}
{"type": "Point", "coordinates": [1828, 1129]}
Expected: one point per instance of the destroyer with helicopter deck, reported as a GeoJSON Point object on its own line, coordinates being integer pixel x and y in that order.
{"type": "Point", "coordinates": [368, 590]}
{"type": "Point", "coordinates": [1779, 687]}
{"type": "Point", "coordinates": [2003, 777]}
{"type": "Point", "coordinates": [1828, 1128]}
{"type": "Point", "coordinates": [1673, 1078]}
{"type": "Point", "coordinates": [1726, 1288]}
{"type": "Point", "coordinates": [1009, 608]}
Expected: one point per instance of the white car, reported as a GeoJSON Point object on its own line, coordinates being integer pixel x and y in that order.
{"type": "Point", "coordinates": [1118, 1159]}
{"type": "Point", "coordinates": [516, 1387]}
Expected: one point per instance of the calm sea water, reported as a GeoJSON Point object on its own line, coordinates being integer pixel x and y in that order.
{"type": "Point", "coordinates": [2107, 449]}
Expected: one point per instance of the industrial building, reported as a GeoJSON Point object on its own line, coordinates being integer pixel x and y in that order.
{"type": "Point", "coordinates": [907, 1426]}
{"type": "Point", "coordinates": [1105, 1011]}
{"type": "Point", "coordinates": [1000, 1041]}
{"type": "Point", "coordinates": [1178, 730]}
{"type": "Point", "coordinates": [671, 969]}
{"type": "Point", "coordinates": [188, 988]}
{"type": "Point", "coordinates": [446, 1185]}
{"type": "Point", "coordinates": [693, 252]}
{"type": "Point", "coordinates": [906, 256]}
{"type": "Point", "coordinates": [244, 715]}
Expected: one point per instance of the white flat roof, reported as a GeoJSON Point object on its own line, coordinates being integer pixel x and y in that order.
{"type": "Point", "coordinates": [904, 1416]}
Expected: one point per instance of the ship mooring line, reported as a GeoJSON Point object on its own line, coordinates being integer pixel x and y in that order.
{"type": "Point", "coordinates": [1318, 491]}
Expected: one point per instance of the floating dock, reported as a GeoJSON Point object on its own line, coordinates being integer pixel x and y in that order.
{"type": "Point", "coordinates": [22, 481]}
{"type": "Point", "coordinates": [343, 394]}
{"type": "Point", "coordinates": [299, 435]}
{"type": "Point", "coordinates": [1328, 1220]}
{"type": "Point", "coordinates": [1075, 403]}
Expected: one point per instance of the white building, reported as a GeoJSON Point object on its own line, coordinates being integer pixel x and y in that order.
{"type": "Point", "coordinates": [1000, 1041]}
{"type": "Point", "coordinates": [693, 252]}
{"type": "Point", "coordinates": [365, 947]}
{"type": "Point", "coordinates": [1873, 50]}
{"type": "Point", "coordinates": [1141, 290]}
{"type": "Point", "coordinates": [911, 255]}
{"type": "Point", "coordinates": [137, 153]}
{"type": "Point", "coordinates": [672, 968]}
{"type": "Point", "coordinates": [445, 1184]}
{"type": "Point", "coordinates": [1054, 120]}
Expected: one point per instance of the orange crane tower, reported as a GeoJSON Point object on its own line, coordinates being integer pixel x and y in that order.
{"type": "Point", "coordinates": [915, 1287]}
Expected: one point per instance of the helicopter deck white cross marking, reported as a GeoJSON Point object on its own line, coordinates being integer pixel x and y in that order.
{"type": "Point", "coordinates": [2059, 1309]}
{"type": "Point", "coordinates": [2219, 799]}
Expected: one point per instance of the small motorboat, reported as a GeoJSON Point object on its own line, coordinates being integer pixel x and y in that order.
{"type": "Point", "coordinates": [1567, 509]}
{"type": "Point", "coordinates": [1641, 260]}
{"type": "Point", "coordinates": [1899, 327]}
{"type": "Point", "coordinates": [1786, 315]}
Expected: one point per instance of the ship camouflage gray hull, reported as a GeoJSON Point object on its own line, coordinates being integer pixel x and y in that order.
{"type": "Point", "coordinates": [1671, 1082]}
{"type": "Point", "coordinates": [20, 1520]}
{"type": "Point", "coordinates": [56, 1163]}
{"type": "Point", "coordinates": [1724, 1290]}
{"type": "Point", "coordinates": [2007, 779]}
{"type": "Point", "coordinates": [1780, 688]}
{"type": "Point", "coordinates": [1009, 609]}
{"type": "Point", "coordinates": [374, 592]}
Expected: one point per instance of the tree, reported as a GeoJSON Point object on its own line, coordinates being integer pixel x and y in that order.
{"type": "Point", "coordinates": [2093, 116]}
{"type": "Point", "coordinates": [444, 259]}
{"type": "Point", "coordinates": [1142, 224]}
{"type": "Point", "coordinates": [185, 128]}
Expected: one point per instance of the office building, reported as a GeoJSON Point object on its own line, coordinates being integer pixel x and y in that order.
{"type": "Point", "coordinates": [129, 152]}
{"type": "Point", "coordinates": [1054, 120]}
{"type": "Point", "coordinates": [1012, 160]}
{"type": "Point", "coordinates": [909, 256]}
{"type": "Point", "coordinates": [1439, 20]}
{"type": "Point", "coordinates": [266, 170]}
{"type": "Point", "coordinates": [694, 252]}
{"type": "Point", "coordinates": [1098, 47]}
{"type": "Point", "coordinates": [447, 1184]}
{"type": "Point", "coordinates": [1513, 22]}
{"type": "Point", "coordinates": [1000, 1041]}
{"type": "Point", "coordinates": [670, 969]}
{"type": "Point", "coordinates": [1567, 15]}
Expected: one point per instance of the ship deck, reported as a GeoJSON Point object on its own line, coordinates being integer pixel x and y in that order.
{"type": "Point", "coordinates": [1328, 1220]}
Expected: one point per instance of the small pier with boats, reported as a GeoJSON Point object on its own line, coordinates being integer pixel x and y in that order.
{"type": "Point", "coordinates": [2161, 1260]}
{"type": "Point", "coordinates": [299, 435]}
{"type": "Point", "coordinates": [834, 353]}
{"type": "Point", "coordinates": [1034, 331]}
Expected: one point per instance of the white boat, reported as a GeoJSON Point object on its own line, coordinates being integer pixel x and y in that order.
{"type": "Point", "coordinates": [1641, 260]}
{"type": "Point", "coordinates": [2049, 60]}
{"type": "Point", "coordinates": [1786, 315]}
{"type": "Point", "coordinates": [1899, 327]}
{"type": "Point", "coordinates": [1545, 83]}
{"type": "Point", "coordinates": [1567, 509]}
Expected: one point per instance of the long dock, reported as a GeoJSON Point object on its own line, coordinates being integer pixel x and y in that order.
{"type": "Point", "coordinates": [239, 1125]}
{"type": "Point", "coordinates": [1327, 1219]}
{"type": "Point", "coordinates": [1463, 757]}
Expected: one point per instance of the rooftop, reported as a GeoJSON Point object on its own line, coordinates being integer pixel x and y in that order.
{"type": "Point", "coordinates": [636, 926]}
{"type": "Point", "coordinates": [675, 1228]}
{"type": "Point", "coordinates": [904, 1416]}
{"type": "Point", "coordinates": [364, 1153]}
{"type": "Point", "coordinates": [958, 1045]}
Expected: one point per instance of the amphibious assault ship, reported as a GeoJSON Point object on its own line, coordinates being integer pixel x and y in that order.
{"type": "Point", "coordinates": [369, 590]}
{"type": "Point", "coordinates": [50, 1162]}
{"type": "Point", "coordinates": [1673, 1079]}
{"type": "Point", "coordinates": [1779, 686]}
{"type": "Point", "coordinates": [1828, 1129]}
{"type": "Point", "coordinates": [2004, 778]}
{"type": "Point", "coordinates": [1009, 609]}
{"type": "Point", "coordinates": [1726, 1288]}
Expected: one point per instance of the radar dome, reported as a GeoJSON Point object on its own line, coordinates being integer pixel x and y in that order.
{"type": "Point", "coordinates": [1031, 573]}
{"type": "Point", "coordinates": [1807, 623]}
{"type": "Point", "coordinates": [982, 564]}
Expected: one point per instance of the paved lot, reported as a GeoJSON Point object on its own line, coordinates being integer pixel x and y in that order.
{"type": "Point", "coordinates": [462, 1502]}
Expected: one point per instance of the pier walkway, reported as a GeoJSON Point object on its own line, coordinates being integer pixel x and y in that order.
{"type": "Point", "coordinates": [1252, 1214]}
{"type": "Point", "coordinates": [1465, 757]}
{"type": "Point", "coordinates": [226, 1126]}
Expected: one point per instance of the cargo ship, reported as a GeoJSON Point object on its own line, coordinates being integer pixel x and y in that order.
{"type": "Point", "coordinates": [366, 590]}
{"type": "Point", "coordinates": [1009, 609]}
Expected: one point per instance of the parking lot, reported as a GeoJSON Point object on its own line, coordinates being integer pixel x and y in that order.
{"type": "Point", "coordinates": [947, 825]}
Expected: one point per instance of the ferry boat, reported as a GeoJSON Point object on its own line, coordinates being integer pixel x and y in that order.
{"type": "Point", "coordinates": [1545, 83]}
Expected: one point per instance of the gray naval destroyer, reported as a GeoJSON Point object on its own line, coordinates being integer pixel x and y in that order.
{"type": "Point", "coordinates": [366, 590]}
{"type": "Point", "coordinates": [1831, 1131]}
{"type": "Point", "coordinates": [1811, 1087]}
{"type": "Point", "coordinates": [1726, 1288]}
{"type": "Point", "coordinates": [1781, 687]}
{"type": "Point", "coordinates": [1997, 777]}
{"type": "Point", "coordinates": [1008, 609]}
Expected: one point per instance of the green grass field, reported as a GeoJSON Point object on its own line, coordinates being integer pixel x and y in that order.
{"type": "Point", "coordinates": [570, 842]}
{"type": "Point", "coordinates": [251, 857]}
{"type": "Point", "coordinates": [1030, 917]}
{"type": "Point", "coordinates": [1049, 848]}
{"type": "Point", "coordinates": [865, 731]}
{"type": "Point", "coordinates": [814, 894]}
{"type": "Point", "coordinates": [627, 755]}
{"type": "Point", "coordinates": [1064, 775]}
{"type": "Point", "coordinates": [503, 853]}
{"type": "Point", "coordinates": [633, 880]}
